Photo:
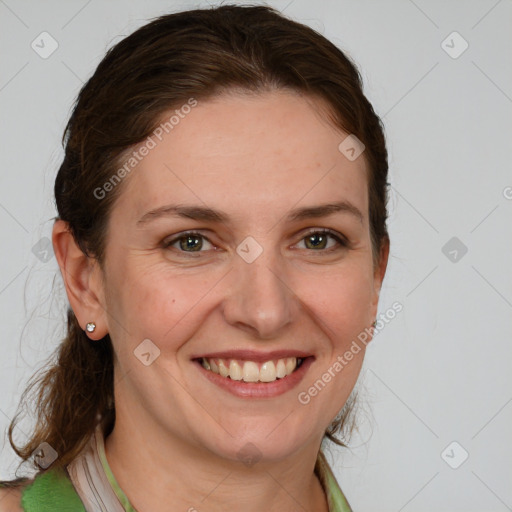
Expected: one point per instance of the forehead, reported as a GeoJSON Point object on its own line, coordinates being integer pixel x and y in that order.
{"type": "Point", "coordinates": [267, 151]}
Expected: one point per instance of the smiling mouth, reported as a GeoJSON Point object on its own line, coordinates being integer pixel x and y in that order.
{"type": "Point", "coordinates": [251, 371]}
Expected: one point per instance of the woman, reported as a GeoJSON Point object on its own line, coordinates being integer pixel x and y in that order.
{"type": "Point", "coordinates": [222, 238]}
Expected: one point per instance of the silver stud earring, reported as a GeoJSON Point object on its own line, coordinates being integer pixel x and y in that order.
{"type": "Point", "coordinates": [90, 327]}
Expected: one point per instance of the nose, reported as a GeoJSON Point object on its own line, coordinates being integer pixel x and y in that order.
{"type": "Point", "coordinates": [260, 300]}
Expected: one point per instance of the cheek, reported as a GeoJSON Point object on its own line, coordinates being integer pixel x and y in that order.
{"type": "Point", "coordinates": [341, 305]}
{"type": "Point", "coordinates": [161, 304]}
{"type": "Point", "coordinates": [342, 313]}
{"type": "Point", "coordinates": [341, 301]}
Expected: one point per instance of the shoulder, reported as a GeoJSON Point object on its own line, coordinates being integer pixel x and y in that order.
{"type": "Point", "coordinates": [48, 491]}
{"type": "Point", "coordinates": [11, 493]}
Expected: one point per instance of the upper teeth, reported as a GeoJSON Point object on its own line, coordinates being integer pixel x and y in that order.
{"type": "Point", "coordinates": [249, 371]}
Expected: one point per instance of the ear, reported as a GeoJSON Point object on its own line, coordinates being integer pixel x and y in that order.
{"type": "Point", "coordinates": [82, 278]}
{"type": "Point", "coordinates": [378, 275]}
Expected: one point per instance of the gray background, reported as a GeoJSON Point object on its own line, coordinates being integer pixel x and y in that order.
{"type": "Point", "coordinates": [440, 371]}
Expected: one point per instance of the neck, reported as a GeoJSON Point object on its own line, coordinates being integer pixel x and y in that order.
{"type": "Point", "coordinates": [151, 466]}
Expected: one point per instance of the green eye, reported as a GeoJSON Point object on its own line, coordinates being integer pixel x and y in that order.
{"type": "Point", "coordinates": [192, 242]}
{"type": "Point", "coordinates": [187, 242]}
{"type": "Point", "coordinates": [318, 240]}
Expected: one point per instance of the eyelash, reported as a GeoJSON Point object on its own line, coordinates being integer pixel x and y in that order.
{"type": "Point", "coordinates": [341, 240]}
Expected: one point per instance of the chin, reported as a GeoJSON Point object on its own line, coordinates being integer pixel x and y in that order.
{"type": "Point", "coordinates": [268, 439]}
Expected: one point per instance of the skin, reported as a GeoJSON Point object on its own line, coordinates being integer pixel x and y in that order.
{"type": "Point", "coordinates": [255, 157]}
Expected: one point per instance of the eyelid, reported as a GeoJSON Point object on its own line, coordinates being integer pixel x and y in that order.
{"type": "Point", "coordinates": [168, 241]}
{"type": "Point", "coordinates": [326, 231]}
{"type": "Point", "coordinates": [340, 238]}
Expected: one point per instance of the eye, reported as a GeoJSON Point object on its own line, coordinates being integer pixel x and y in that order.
{"type": "Point", "coordinates": [188, 242]}
{"type": "Point", "coordinates": [318, 239]}
{"type": "Point", "coordinates": [191, 242]}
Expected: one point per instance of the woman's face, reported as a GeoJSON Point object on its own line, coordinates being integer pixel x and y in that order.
{"type": "Point", "coordinates": [257, 281]}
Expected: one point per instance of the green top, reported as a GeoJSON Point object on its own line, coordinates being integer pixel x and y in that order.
{"type": "Point", "coordinates": [52, 490]}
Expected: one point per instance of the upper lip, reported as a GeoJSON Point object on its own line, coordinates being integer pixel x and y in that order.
{"type": "Point", "coordinates": [254, 355]}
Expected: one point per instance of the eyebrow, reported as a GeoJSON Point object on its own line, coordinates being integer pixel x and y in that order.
{"type": "Point", "coordinates": [206, 214]}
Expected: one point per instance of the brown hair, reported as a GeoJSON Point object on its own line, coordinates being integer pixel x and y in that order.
{"type": "Point", "coordinates": [199, 54]}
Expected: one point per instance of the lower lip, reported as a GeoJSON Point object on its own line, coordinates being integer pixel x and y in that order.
{"type": "Point", "coordinates": [243, 389]}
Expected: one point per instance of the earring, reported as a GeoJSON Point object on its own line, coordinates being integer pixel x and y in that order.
{"type": "Point", "coordinates": [374, 323]}
{"type": "Point", "coordinates": [90, 327]}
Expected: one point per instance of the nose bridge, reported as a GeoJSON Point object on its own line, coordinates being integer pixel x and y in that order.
{"type": "Point", "coordinates": [260, 300]}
